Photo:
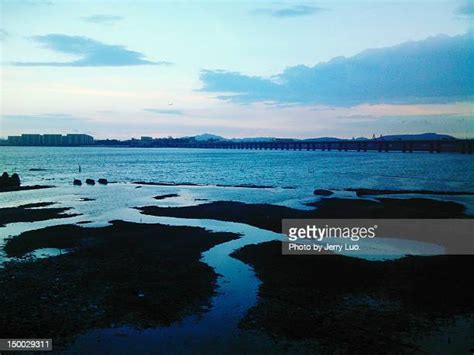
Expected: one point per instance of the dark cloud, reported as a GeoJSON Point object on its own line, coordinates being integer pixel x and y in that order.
{"type": "Point", "coordinates": [164, 111]}
{"type": "Point", "coordinates": [92, 53]}
{"type": "Point", "coordinates": [438, 69]}
{"type": "Point", "coordinates": [293, 11]}
{"type": "Point", "coordinates": [103, 19]}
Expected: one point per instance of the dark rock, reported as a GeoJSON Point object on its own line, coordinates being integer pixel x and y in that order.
{"type": "Point", "coordinates": [5, 180]}
{"type": "Point", "coordinates": [103, 181]}
{"type": "Point", "coordinates": [9, 181]}
{"type": "Point", "coordinates": [321, 192]}
{"type": "Point", "coordinates": [77, 182]}
{"type": "Point", "coordinates": [15, 180]}
{"type": "Point", "coordinates": [90, 182]}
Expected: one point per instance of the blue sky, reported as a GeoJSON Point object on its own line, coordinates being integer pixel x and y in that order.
{"type": "Point", "coordinates": [235, 68]}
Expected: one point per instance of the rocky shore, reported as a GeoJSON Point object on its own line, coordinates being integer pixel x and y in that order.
{"type": "Point", "coordinates": [11, 183]}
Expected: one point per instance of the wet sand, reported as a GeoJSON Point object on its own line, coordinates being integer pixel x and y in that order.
{"type": "Point", "coordinates": [352, 305]}
{"type": "Point", "coordinates": [140, 275]}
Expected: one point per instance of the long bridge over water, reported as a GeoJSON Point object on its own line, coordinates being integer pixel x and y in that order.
{"type": "Point", "coordinates": [464, 146]}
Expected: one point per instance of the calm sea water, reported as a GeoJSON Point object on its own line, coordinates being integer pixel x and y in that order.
{"type": "Point", "coordinates": [301, 169]}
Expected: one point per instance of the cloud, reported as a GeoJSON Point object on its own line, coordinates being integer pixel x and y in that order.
{"type": "Point", "coordinates": [436, 70]}
{"type": "Point", "coordinates": [164, 111]}
{"type": "Point", "coordinates": [103, 19]}
{"type": "Point", "coordinates": [293, 11]}
{"type": "Point", "coordinates": [92, 53]}
{"type": "Point", "coordinates": [47, 122]}
{"type": "Point", "coordinates": [467, 8]}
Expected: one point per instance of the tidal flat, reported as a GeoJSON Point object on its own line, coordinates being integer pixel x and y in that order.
{"type": "Point", "coordinates": [32, 212]}
{"type": "Point", "coordinates": [268, 216]}
{"type": "Point", "coordinates": [350, 305]}
{"type": "Point", "coordinates": [127, 273]}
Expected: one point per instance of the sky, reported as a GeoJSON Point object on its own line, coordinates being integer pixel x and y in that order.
{"type": "Point", "coordinates": [236, 68]}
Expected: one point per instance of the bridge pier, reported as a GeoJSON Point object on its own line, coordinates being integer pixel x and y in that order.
{"type": "Point", "coordinates": [432, 146]}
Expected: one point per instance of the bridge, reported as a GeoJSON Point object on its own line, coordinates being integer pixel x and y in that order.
{"type": "Point", "coordinates": [463, 146]}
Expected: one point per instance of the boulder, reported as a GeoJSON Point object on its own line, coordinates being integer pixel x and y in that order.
{"type": "Point", "coordinates": [9, 181]}
{"type": "Point", "coordinates": [5, 180]}
{"type": "Point", "coordinates": [77, 182]}
{"type": "Point", "coordinates": [15, 180]}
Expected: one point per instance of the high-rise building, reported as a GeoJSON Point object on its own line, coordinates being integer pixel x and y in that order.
{"type": "Point", "coordinates": [51, 139]}
{"type": "Point", "coordinates": [79, 139]}
{"type": "Point", "coordinates": [14, 140]}
{"type": "Point", "coordinates": [31, 139]}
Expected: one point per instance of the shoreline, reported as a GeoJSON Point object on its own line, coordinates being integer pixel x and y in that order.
{"type": "Point", "coordinates": [24, 188]}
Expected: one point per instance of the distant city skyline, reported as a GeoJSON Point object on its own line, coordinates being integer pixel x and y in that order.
{"type": "Point", "coordinates": [237, 69]}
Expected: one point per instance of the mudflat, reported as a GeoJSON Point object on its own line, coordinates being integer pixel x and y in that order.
{"type": "Point", "coordinates": [141, 275]}
{"type": "Point", "coordinates": [351, 305]}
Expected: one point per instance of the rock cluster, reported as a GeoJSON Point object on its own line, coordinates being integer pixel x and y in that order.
{"type": "Point", "coordinates": [9, 181]}
{"type": "Point", "coordinates": [101, 181]}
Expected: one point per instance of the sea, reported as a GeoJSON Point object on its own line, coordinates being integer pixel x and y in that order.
{"type": "Point", "coordinates": [286, 178]}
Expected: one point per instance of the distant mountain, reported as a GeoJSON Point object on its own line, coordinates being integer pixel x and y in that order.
{"type": "Point", "coordinates": [208, 137]}
{"type": "Point", "coordinates": [417, 137]}
{"type": "Point", "coordinates": [404, 137]}
{"type": "Point", "coordinates": [327, 139]}
{"type": "Point", "coordinates": [254, 139]}
{"type": "Point", "coordinates": [212, 137]}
